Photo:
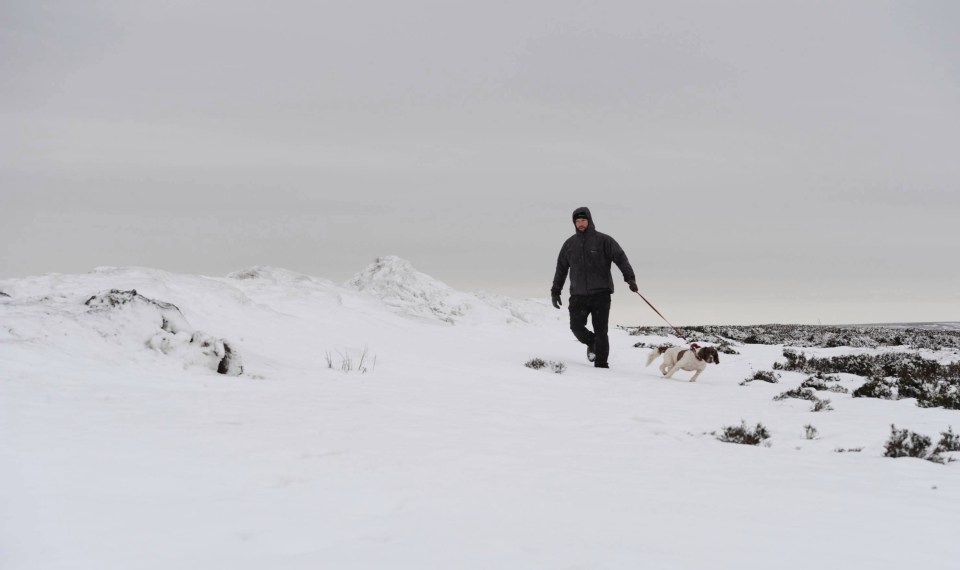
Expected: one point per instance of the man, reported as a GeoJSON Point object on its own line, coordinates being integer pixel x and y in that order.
{"type": "Point", "coordinates": [587, 256]}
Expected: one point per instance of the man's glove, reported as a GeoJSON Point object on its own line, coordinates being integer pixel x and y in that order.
{"type": "Point", "coordinates": [556, 300]}
{"type": "Point", "coordinates": [633, 286]}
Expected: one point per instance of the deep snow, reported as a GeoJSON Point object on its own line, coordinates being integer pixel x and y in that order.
{"type": "Point", "coordinates": [445, 453]}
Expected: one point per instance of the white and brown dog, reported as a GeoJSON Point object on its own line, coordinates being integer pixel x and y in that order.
{"type": "Point", "coordinates": [678, 358]}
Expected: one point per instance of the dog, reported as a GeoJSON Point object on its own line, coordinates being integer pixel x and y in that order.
{"type": "Point", "coordinates": [678, 358]}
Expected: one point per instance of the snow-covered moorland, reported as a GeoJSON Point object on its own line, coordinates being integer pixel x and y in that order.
{"type": "Point", "coordinates": [274, 420]}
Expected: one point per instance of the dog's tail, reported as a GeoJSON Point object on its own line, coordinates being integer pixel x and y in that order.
{"type": "Point", "coordinates": [655, 354]}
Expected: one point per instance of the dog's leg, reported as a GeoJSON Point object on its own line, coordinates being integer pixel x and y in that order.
{"type": "Point", "coordinates": [664, 367]}
{"type": "Point", "coordinates": [695, 374]}
{"type": "Point", "coordinates": [673, 370]}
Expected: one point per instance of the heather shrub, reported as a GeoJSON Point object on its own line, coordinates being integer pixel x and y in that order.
{"type": "Point", "coordinates": [905, 443]}
{"type": "Point", "coordinates": [763, 376]}
{"type": "Point", "coordinates": [743, 435]}
{"type": "Point", "coordinates": [814, 335]}
{"type": "Point", "coordinates": [949, 441]}
{"type": "Point", "coordinates": [663, 345]}
{"type": "Point", "coordinates": [799, 393]}
{"type": "Point", "coordinates": [538, 363]}
{"type": "Point", "coordinates": [893, 375]}
{"type": "Point", "coordinates": [824, 382]}
{"type": "Point", "coordinates": [877, 388]}
{"type": "Point", "coordinates": [821, 406]}
{"type": "Point", "coordinates": [535, 363]}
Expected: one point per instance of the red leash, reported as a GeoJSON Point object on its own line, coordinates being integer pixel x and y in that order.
{"type": "Point", "coordinates": [663, 317]}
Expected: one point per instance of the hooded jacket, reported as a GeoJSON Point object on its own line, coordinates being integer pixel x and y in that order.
{"type": "Point", "coordinates": [587, 256]}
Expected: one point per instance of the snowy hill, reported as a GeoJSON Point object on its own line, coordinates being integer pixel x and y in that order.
{"type": "Point", "coordinates": [407, 291]}
{"type": "Point", "coordinates": [390, 422]}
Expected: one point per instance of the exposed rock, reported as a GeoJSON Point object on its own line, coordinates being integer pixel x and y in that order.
{"type": "Point", "coordinates": [230, 363]}
{"type": "Point", "coordinates": [175, 336]}
{"type": "Point", "coordinates": [172, 320]}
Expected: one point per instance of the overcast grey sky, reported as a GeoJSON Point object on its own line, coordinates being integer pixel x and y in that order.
{"type": "Point", "coordinates": [758, 161]}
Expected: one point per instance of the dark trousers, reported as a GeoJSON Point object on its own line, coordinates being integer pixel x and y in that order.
{"type": "Point", "coordinates": [596, 306]}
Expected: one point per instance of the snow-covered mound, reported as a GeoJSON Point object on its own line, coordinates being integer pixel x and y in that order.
{"type": "Point", "coordinates": [409, 292]}
{"type": "Point", "coordinates": [115, 323]}
{"type": "Point", "coordinates": [175, 337]}
{"type": "Point", "coordinates": [280, 277]}
{"type": "Point", "coordinates": [278, 287]}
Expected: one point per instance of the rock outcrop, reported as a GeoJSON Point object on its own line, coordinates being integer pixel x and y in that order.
{"type": "Point", "coordinates": [174, 336]}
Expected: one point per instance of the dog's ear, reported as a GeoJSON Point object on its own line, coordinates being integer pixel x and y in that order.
{"type": "Point", "coordinates": [716, 355]}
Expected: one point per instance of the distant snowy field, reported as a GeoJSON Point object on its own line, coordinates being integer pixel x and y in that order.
{"type": "Point", "coordinates": [121, 446]}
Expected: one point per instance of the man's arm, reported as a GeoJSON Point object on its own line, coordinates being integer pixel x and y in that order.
{"type": "Point", "coordinates": [616, 253]}
{"type": "Point", "coordinates": [560, 275]}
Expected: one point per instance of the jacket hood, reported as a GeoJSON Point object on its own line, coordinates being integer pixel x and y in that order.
{"type": "Point", "coordinates": [583, 210]}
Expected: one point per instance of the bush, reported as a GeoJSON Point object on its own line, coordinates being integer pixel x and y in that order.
{"type": "Point", "coordinates": [824, 382]}
{"type": "Point", "coordinates": [809, 432]}
{"type": "Point", "coordinates": [821, 406]}
{"type": "Point", "coordinates": [905, 443]}
{"type": "Point", "coordinates": [799, 393]}
{"type": "Point", "coordinates": [725, 347]}
{"type": "Point", "coordinates": [849, 449]}
{"type": "Point", "coordinates": [949, 441]}
{"type": "Point", "coordinates": [663, 345]}
{"type": "Point", "coordinates": [814, 336]}
{"type": "Point", "coordinates": [877, 388]}
{"type": "Point", "coordinates": [763, 376]}
{"type": "Point", "coordinates": [892, 375]}
{"type": "Point", "coordinates": [743, 435]}
{"type": "Point", "coordinates": [538, 363]}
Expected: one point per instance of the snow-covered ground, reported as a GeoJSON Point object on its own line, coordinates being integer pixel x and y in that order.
{"type": "Point", "coordinates": [121, 447]}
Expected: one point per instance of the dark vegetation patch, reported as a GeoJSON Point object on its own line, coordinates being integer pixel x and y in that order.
{"type": "Point", "coordinates": [538, 363]}
{"type": "Point", "coordinates": [905, 443]}
{"type": "Point", "coordinates": [743, 435]}
{"type": "Point", "coordinates": [824, 382]}
{"type": "Point", "coordinates": [891, 376]}
{"type": "Point", "coordinates": [949, 441]}
{"type": "Point", "coordinates": [762, 376]}
{"type": "Point", "coordinates": [722, 344]}
{"type": "Point", "coordinates": [809, 394]}
{"type": "Point", "coordinates": [798, 393]}
{"type": "Point", "coordinates": [812, 336]}
{"type": "Point", "coordinates": [821, 406]}
{"type": "Point", "coordinates": [663, 345]}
